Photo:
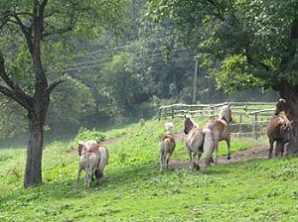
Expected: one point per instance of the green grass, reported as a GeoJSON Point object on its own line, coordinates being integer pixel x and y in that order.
{"type": "Point", "coordinates": [133, 188]}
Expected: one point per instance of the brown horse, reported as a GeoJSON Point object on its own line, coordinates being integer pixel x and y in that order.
{"type": "Point", "coordinates": [279, 130]}
{"type": "Point", "coordinates": [198, 141]}
{"type": "Point", "coordinates": [220, 129]}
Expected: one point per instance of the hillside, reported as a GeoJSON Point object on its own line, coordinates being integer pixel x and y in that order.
{"type": "Point", "coordinates": [247, 188]}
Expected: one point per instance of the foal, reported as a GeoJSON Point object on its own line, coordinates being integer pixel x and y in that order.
{"type": "Point", "coordinates": [167, 146]}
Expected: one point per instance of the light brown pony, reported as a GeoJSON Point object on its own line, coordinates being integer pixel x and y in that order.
{"type": "Point", "coordinates": [167, 146]}
{"type": "Point", "coordinates": [93, 147]}
{"type": "Point", "coordinates": [220, 129]}
{"type": "Point", "coordinates": [279, 130]}
{"type": "Point", "coordinates": [198, 141]}
{"type": "Point", "coordinates": [89, 163]}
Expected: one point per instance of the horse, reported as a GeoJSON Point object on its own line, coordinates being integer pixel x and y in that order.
{"type": "Point", "coordinates": [220, 129]}
{"type": "Point", "coordinates": [281, 106]}
{"type": "Point", "coordinates": [85, 145]}
{"type": "Point", "coordinates": [167, 146]}
{"type": "Point", "coordinates": [89, 162]}
{"type": "Point", "coordinates": [198, 141]}
{"type": "Point", "coordinates": [93, 146]}
{"type": "Point", "coordinates": [279, 130]}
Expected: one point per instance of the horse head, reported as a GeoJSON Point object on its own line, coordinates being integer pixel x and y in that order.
{"type": "Point", "coordinates": [169, 127]}
{"type": "Point", "coordinates": [189, 125]}
{"type": "Point", "coordinates": [281, 105]}
{"type": "Point", "coordinates": [226, 113]}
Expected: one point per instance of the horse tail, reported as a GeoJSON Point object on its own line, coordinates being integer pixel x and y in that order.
{"type": "Point", "coordinates": [208, 144]}
{"type": "Point", "coordinates": [104, 159]}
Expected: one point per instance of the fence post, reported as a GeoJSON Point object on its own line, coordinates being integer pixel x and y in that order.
{"type": "Point", "coordinates": [254, 126]}
{"type": "Point", "coordinates": [159, 114]}
{"type": "Point", "coordinates": [240, 126]}
{"type": "Point", "coordinates": [172, 112]}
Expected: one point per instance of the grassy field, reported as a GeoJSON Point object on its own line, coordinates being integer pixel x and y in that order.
{"type": "Point", "coordinates": [133, 188]}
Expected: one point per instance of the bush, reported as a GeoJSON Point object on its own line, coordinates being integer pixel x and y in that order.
{"type": "Point", "coordinates": [86, 134]}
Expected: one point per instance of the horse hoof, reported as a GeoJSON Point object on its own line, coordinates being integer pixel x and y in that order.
{"type": "Point", "coordinates": [228, 157]}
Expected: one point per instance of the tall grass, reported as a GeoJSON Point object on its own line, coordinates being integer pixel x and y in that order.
{"type": "Point", "coordinates": [133, 188]}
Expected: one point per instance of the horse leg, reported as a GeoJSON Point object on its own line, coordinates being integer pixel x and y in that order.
{"type": "Point", "coordinates": [189, 152]}
{"type": "Point", "coordinates": [282, 148]}
{"type": "Point", "coordinates": [195, 164]}
{"type": "Point", "coordinates": [228, 145]}
{"type": "Point", "coordinates": [79, 173]}
{"type": "Point", "coordinates": [271, 141]}
{"type": "Point", "coordinates": [279, 146]}
{"type": "Point", "coordinates": [162, 161]}
{"type": "Point", "coordinates": [216, 151]}
{"type": "Point", "coordinates": [168, 159]}
{"type": "Point", "coordinates": [162, 157]}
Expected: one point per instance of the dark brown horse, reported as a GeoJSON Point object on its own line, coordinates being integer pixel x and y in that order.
{"type": "Point", "coordinates": [279, 130]}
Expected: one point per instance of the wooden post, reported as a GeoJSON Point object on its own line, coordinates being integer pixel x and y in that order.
{"type": "Point", "coordinates": [172, 112]}
{"type": "Point", "coordinates": [254, 126]}
{"type": "Point", "coordinates": [195, 77]}
{"type": "Point", "coordinates": [240, 126]}
{"type": "Point", "coordinates": [159, 114]}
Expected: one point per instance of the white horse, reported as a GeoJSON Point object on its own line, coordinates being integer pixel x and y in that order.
{"type": "Point", "coordinates": [198, 141]}
{"type": "Point", "coordinates": [220, 129]}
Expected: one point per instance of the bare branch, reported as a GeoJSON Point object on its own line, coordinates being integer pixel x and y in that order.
{"type": "Point", "coordinates": [27, 31]}
{"type": "Point", "coordinates": [42, 7]}
{"type": "Point", "coordinates": [14, 92]}
{"type": "Point", "coordinates": [54, 85]}
{"type": "Point", "coordinates": [59, 31]}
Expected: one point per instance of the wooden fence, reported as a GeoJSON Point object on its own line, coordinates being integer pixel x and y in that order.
{"type": "Point", "coordinates": [249, 118]}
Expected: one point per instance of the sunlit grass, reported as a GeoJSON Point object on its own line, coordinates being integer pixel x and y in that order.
{"type": "Point", "coordinates": [133, 188]}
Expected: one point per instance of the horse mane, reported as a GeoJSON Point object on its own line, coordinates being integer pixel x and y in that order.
{"type": "Point", "coordinates": [225, 113]}
{"type": "Point", "coordinates": [189, 124]}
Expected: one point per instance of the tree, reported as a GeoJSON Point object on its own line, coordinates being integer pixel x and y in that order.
{"type": "Point", "coordinates": [31, 24]}
{"type": "Point", "coordinates": [244, 44]}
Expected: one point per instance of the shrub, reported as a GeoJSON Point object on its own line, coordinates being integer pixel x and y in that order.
{"type": "Point", "coordinates": [86, 134]}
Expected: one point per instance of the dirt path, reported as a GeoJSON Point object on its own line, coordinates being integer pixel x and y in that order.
{"type": "Point", "coordinates": [258, 152]}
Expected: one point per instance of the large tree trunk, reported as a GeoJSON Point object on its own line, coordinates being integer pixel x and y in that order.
{"type": "Point", "coordinates": [33, 172]}
{"type": "Point", "coordinates": [290, 94]}
{"type": "Point", "coordinates": [36, 117]}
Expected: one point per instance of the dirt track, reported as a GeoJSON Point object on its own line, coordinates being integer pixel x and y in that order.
{"type": "Point", "coordinates": [258, 152]}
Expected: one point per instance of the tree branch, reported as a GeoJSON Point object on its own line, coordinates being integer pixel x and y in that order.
{"type": "Point", "coordinates": [54, 85]}
{"type": "Point", "coordinates": [58, 31]}
{"type": "Point", "coordinates": [27, 31]}
{"type": "Point", "coordinates": [14, 92]}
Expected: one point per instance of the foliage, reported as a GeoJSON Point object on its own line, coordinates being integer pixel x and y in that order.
{"type": "Point", "coordinates": [86, 134]}
{"type": "Point", "coordinates": [261, 32]}
{"type": "Point", "coordinates": [71, 103]}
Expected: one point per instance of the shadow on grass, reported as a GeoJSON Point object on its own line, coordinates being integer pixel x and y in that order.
{"type": "Point", "coordinates": [128, 175]}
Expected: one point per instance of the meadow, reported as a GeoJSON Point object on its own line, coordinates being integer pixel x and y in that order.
{"type": "Point", "coordinates": [134, 189]}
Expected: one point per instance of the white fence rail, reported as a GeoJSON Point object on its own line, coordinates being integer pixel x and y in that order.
{"type": "Point", "coordinates": [249, 118]}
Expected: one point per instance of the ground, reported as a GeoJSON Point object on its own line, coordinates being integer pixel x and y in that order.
{"type": "Point", "coordinates": [258, 152]}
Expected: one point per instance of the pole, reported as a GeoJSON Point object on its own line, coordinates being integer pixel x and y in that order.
{"type": "Point", "coordinates": [195, 77]}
